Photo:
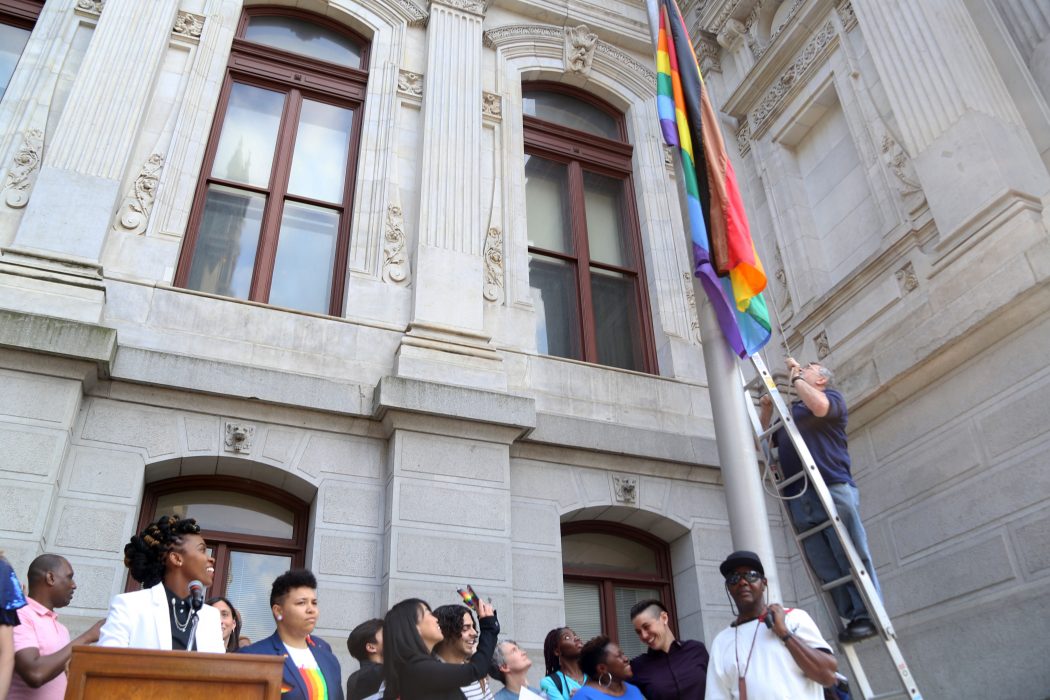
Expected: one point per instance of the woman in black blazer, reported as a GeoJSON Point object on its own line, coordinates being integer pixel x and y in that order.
{"type": "Point", "coordinates": [410, 632]}
{"type": "Point", "coordinates": [311, 671]}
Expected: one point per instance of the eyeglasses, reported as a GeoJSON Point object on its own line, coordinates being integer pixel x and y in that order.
{"type": "Point", "coordinates": [750, 576]}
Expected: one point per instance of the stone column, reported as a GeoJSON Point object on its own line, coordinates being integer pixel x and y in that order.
{"type": "Point", "coordinates": [79, 183]}
{"type": "Point", "coordinates": [446, 341]}
{"type": "Point", "coordinates": [1028, 22]}
{"type": "Point", "coordinates": [957, 120]}
{"type": "Point", "coordinates": [448, 485]}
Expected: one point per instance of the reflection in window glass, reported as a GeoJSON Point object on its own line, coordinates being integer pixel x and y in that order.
{"type": "Point", "coordinates": [248, 581]}
{"type": "Point", "coordinates": [12, 42]}
{"type": "Point", "coordinates": [302, 273]}
{"type": "Point", "coordinates": [597, 551]}
{"type": "Point", "coordinates": [625, 599]}
{"type": "Point", "coordinates": [571, 112]}
{"type": "Point", "coordinates": [547, 204]}
{"type": "Point", "coordinates": [583, 609]}
{"type": "Point", "coordinates": [554, 297]}
{"type": "Point", "coordinates": [306, 38]}
{"type": "Point", "coordinates": [605, 235]}
{"type": "Point", "coordinates": [227, 511]}
{"type": "Point", "coordinates": [322, 142]}
{"type": "Point", "coordinates": [616, 327]}
{"type": "Point", "coordinates": [249, 134]}
{"type": "Point", "coordinates": [224, 257]}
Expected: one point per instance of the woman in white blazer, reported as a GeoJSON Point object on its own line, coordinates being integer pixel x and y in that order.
{"type": "Point", "coordinates": [164, 558]}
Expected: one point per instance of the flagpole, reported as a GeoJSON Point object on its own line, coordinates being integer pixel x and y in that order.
{"type": "Point", "coordinates": [745, 497]}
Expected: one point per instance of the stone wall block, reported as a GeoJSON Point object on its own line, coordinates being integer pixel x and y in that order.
{"type": "Point", "coordinates": [536, 572]}
{"type": "Point", "coordinates": [47, 401]}
{"type": "Point", "coordinates": [454, 506]}
{"type": "Point", "coordinates": [535, 523]}
{"type": "Point", "coordinates": [96, 583]}
{"type": "Point", "coordinates": [129, 425]}
{"type": "Point", "coordinates": [25, 508]}
{"type": "Point", "coordinates": [534, 619]}
{"type": "Point", "coordinates": [595, 485]}
{"type": "Point", "coordinates": [689, 501]}
{"type": "Point", "coordinates": [653, 494]}
{"type": "Point", "coordinates": [546, 481]}
{"type": "Point", "coordinates": [442, 455]}
{"type": "Point", "coordinates": [347, 556]}
{"type": "Point", "coordinates": [280, 446]}
{"type": "Point", "coordinates": [201, 433]}
{"type": "Point", "coordinates": [30, 452]}
{"type": "Point", "coordinates": [453, 556]}
{"type": "Point", "coordinates": [351, 503]}
{"type": "Point", "coordinates": [85, 525]}
{"type": "Point", "coordinates": [344, 607]}
{"type": "Point", "coordinates": [107, 473]}
{"type": "Point", "coordinates": [345, 456]}
{"type": "Point", "coordinates": [1031, 540]}
{"type": "Point", "coordinates": [687, 594]}
{"type": "Point", "coordinates": [1013, 423]}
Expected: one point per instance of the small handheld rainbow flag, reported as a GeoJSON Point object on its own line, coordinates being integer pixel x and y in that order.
{"type": "Point", "coordinates": [726, 261]}
{"type": "Point", "coordinates": [470, 598]}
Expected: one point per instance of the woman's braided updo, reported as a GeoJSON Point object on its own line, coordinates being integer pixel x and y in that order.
{"type": "Point", "coordinates": [146, 553]}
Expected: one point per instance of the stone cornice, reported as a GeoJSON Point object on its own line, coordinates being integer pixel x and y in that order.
{"type": "Point", "coordinates": [474, 7]}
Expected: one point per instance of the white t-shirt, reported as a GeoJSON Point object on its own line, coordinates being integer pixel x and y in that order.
{"type": "Point", "coordinates": [475, 691]}
{"type": "Point", "coordinates": [302, 658]}
{"type": "Point", "coordinates": [773, 673]}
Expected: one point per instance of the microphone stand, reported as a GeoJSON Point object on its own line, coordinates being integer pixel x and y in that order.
{"type": "Point", "coordinates": [192, 644]}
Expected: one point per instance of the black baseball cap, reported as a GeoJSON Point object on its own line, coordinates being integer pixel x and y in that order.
{"type": "Point", "coordinates": [741, 557]}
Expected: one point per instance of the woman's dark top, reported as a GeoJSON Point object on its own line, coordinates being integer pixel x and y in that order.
{"type": "Point", "coordinates": [426, 678]}
{"type": "Point", "coordinates": [11, 598]}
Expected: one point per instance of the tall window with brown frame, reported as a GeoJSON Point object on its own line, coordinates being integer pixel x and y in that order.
{"type": "Point", "coordinates": [586, 268]}
{"type": "Point", "coordinates": [271, 218]}
{"type": "Point", "coordinates": [608, 567]}
{"type": "Point", "coordinates": [17, 18]}
{"type": "Point", "coordinates": [255, 532]}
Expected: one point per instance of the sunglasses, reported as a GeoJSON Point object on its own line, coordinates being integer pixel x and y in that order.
{"type": "Point", "coordinates": [750, 577]}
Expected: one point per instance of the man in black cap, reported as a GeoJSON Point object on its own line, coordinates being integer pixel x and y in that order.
{"type": "Point", "coordinates": [767, 652]}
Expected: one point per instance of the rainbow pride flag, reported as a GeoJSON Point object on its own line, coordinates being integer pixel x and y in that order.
{"type": "Point", "coordinates": [726, 261]}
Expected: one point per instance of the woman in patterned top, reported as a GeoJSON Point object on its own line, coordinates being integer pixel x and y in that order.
{"type": "Point", "coordinates": [11, 599]}
{"type": "Point", "coordinates": [311, 671]}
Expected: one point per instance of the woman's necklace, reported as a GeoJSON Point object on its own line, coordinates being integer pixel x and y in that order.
{"type": "Point", "coordinates": [175, 605]}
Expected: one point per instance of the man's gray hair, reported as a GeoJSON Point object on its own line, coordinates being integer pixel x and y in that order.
{"type": "Point", "coordinates": [498, 657]}
{"type": "Point", "coordinates": [826, 373]}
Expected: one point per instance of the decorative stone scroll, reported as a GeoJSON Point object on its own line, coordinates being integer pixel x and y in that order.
{"type": "Point", "coordinates": [491, 105]}
{"type": "Point", "coordinates": [22, 173]}
{"type": "Point", "coordinates": [395, 258]}
{"type": "Point", "coordinates": [410, 84]}
{"type": "Point", "coordinates": [690, 298]}
{"type": "Point", "coordinates": [580, 43]}
{"type": "Point", "coordinates": [494, 264]}
{"type": "Point", "coordinates": [783, 295]}
{"type": "Point", "coordinates": [669, 159]}
{"type": "Point", "coordinates": [188, 24]}
{"type": "Point", "coordinates": [476, 7]}
{"type": "Point", "coordinates": [908, 186]}
{"type": "Point", "coordinates": [793, 76]}
{"type": "Point", "coordinates": [91, 7]}
{"type": "Point", "coordinates": [847, 15]}
{"type": "Point", "coordinates": [709, 55]}
{"type": "Point", "coordinates": [494, 37]}
{"type": "Point", "coordinates": [623, 59]}
{"type": "Point", "coordinates": [743, 137]}
{"type": "Point", "coordinates": [134, 212]}
{"type": "Point", "coordinates": [906, 278]}
{"type": "Point", "coordinates": [823, 347]}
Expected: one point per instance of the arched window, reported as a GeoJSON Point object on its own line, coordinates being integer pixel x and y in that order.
{"type": "Point", "coordinates": [255, 532]}
{"type": "Point", "coordinates": [585, 253]}
{"type": "Point", "coordinates": [17, 18]}
{"type": "Point", "coordinates": [608, 568]}
{"type": "Point", "coordinates": [271, 217]}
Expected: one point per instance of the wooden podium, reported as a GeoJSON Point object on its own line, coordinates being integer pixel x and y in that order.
{"type": "Point", "coordinates": [103, 673]}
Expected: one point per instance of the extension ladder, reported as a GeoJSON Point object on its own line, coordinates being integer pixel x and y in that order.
{"type": "Point", "coordinates": [834, 528]}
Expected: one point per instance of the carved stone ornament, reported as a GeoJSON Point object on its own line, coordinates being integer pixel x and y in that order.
{"type": "Point", "coordinates": [796, 5]}
{"type": "Point", "coordinates": [847, 15]}
{"type": "Point", "coordinates": [783, 295]}
{"type": "Point", "coordinates": [690, 300]}
{"type": "Point", "coordinates": [823, 348]}
{"type": "Point", "coordinates": [491, 105]}
{"type": "Point", "coordinates": [409, 83]}
{"type": "Point", "coordinates": [495, 37]}
{"type": "Point", "coordinates": [135, 211]}
{"type": "Point", "coordinates": [907, 279]}
{"type": "Point", "coordinates": [708, 54]}
{"type": "Point", "coordinates": [395, 259]}
{"type": "Point", "coordinates": [669, 159]}
{"type": "Point", "coordinates": [899, 163]}
{"type": "Point", "coordinates": [625, 489]}
{"type": "Point", "coordinates": [579, 49]}
{"type": "Point", "coordinates": [93, 7]}
{"type": "Point", "coordinates": [743, 137]}
{"type": "Point", "coordinates": [476, 7]}
{"type": "Point", "coordinates": [613, 53]}
{"type": "Point", "coordinates": [25, 163]}
{"type": "Point", "coordinates": [188, 24]}
{"type": "Point", "coordinates": [731, 35]}
{"type": "Point", "coordinates": [793, 76]}
{"type": "Point", "coordinates": [494, 264]}
{"type": "Point", "coordinates": [239, 437]}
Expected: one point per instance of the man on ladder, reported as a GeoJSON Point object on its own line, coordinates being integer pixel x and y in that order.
{"type": "Point", "coordinates": [820, 416]}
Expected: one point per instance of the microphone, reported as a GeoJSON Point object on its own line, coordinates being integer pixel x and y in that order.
{"type": "Point", "coordinates": [196, 595]}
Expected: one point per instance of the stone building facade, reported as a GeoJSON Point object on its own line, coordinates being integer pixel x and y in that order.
{"type": "Point", "coordinates": [375, 388]}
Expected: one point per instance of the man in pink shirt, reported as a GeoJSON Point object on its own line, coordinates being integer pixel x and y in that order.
{"type": "Point", "coordinates": [42, 646]}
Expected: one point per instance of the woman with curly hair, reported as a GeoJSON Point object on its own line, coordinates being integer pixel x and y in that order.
{"type": "Point", "coordinates": [608, 670]}
{"type": "Point", "coordinates": [165, 558]}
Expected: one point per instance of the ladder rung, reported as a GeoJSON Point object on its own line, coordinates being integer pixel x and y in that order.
{"type": "Point", "coordinates": [813, 530]}
{"type": "Point", "coordinates": [773, 427]}
{"type": "Point", "coordinates": [790, 480]}
{"type": "Point", "coordinates": [836, 583]}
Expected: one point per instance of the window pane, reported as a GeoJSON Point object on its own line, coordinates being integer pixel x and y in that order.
{"type": "Point", "coordinates": [625, 598]}
{"type": "Point", "coordinates": [227, 511]}
{"type": "Point", "coordinates": [583, 609]}
{"type": "Point", "coordinates": [248, 581]}
{"type": "Point", "coordinates": [302, 272]}
{"type": "Point", "coordinates": [306, 38]}
{"type": "Point", "coordinates": [616, 327]}
{"type": "Point", "coordinates": [321, 145]}
{"type": "Point", "coordinates": [553, 285]}
{"type": "Point", "coordinates": [224, 256]}
{"type": "Point", "coordinates": [547, 204]}
{"type": "Point", "coordinates": [601, 552]}
{"type": "Point", "coordinates": [249, 134]}
{"type": "Point", "coordinates": [571, 112]}
{"type": "Point", "coordinates": [603, 199]}
{"type": "Point", "coordinates": [12, 42]}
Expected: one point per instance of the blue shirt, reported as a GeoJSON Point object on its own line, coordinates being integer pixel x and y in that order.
{"type": "Point", "coordinates": [589, 693]}
{"type": "Point", "coordinates": [826, 439]}
{"type": "Point", "coordinates": [505, 694]}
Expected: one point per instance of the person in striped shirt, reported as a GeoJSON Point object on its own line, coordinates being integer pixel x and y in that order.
{"type": "Point", "coordinates": [460, 636]}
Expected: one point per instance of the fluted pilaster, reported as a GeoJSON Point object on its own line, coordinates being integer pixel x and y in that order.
{"type": "Point", "coordinates": [1028, 22]}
